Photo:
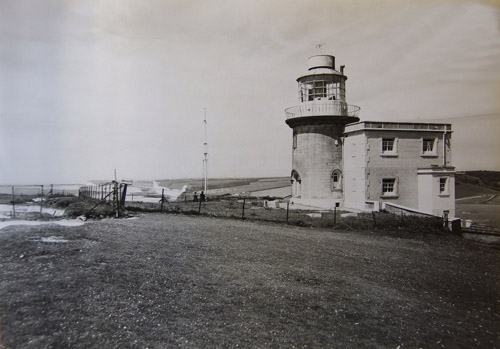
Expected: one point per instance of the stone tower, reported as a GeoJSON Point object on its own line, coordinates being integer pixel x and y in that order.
{"type": "Point", "coordinates": [318, 125]}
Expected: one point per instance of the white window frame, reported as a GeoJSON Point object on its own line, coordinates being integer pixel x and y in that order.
{"type": "Point", "coordinates": [446, 190]}
{"type": "Point", "coordinates": [394, 151]}
{"type": "Point", "coordinates": [431, 153]}
{"type": "Point", "coordinates": [394, 192]}
{"type": "Point", "coordinates": [337, 185]}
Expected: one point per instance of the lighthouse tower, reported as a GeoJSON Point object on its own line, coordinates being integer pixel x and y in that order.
{"type": "Point", "coordinates": [318, 124]}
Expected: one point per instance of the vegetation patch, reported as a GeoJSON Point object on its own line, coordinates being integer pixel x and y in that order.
{"type": "Point", "coordinates": [169, 281]}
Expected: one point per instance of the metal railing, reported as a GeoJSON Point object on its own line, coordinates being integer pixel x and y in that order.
{"type": "Point", "coordinates": [112, 192]}
{"type": "Point", "coordinates": [407, 126]}
{"type": "Point", "coordinates": [333, 108]}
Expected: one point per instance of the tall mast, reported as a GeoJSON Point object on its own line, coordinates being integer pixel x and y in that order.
{"type": "Point", "coordinates": [205, 151]}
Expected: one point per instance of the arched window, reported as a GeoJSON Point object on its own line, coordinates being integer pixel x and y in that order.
{"type": "Point", "coordinates": [296, 184]}
{"type": "Point", "coordinates": [336, 180]}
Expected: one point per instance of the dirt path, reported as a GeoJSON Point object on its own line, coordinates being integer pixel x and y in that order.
{"type": "Point", "coordinates": [176, 281]}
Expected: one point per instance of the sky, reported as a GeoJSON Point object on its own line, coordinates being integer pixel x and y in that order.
{"type": "Point", "coordinates": [87, 87]}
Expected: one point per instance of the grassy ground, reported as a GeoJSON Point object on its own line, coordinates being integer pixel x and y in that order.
{"type": "Point", "coordinates": [218, 183]}
{"type": "Point", "coordinates": [465, 190]}
{"type": "Point", "coordinates": [253, 209]}
{"type": "Point", "coordinates": [191, 281]}
{"type": "Point", "coordinates": [487, 214]}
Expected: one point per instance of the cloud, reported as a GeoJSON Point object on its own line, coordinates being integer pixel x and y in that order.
{"type": "Point", "coordinates": [87, 87]}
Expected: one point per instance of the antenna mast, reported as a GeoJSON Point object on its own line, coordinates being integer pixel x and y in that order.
{"type": "Point", "coordinates": [205, 151]}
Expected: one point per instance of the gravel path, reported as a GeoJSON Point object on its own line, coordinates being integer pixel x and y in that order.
{"type": "Point", "coordinates": [185, 281]}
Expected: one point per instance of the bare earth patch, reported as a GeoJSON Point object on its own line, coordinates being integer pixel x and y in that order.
{"type": "Point", "coordinates": [191, 281]}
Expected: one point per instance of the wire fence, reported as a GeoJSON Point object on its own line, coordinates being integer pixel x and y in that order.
{"type": "Point", "coordinates": [25, 201]}
{"type": "Point", "coordinates": [276, 210]}
{"type": "Point", "coordinates": [29, 201]}
{"type": "Point", "coordinates": [111, 192]}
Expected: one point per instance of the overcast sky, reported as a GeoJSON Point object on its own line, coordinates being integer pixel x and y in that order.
{"type": "Point", "coordinates": [90, 86]}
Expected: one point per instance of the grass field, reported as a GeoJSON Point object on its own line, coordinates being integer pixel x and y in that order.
{"type": "Point", "coordinates": [190, 281]}
{"type": "Point", "coordinates": [465, 190]}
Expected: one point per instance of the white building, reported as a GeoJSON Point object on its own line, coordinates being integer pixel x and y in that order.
{"type": "Point", "coordinates": [338, 161]}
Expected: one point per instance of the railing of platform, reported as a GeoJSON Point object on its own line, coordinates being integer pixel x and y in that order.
{"type": "Point", "coordinates": [407, 126]}
{"type": "Point", "coordinates": [334, 108]}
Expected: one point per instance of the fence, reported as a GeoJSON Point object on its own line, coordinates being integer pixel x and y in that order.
{"type": "Point", "coordinates": [111, 192]}
{"type": "Point", "coordinates": [18, 201]}
{"type": "Point", "coordinates": [252, 208]}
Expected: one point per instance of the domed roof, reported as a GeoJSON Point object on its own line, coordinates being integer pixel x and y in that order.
{"type": "Point", "coordinates": [321, 65]}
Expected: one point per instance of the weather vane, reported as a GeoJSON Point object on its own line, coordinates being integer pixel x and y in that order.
{"type": "Point", "coordinates": [320, 46]}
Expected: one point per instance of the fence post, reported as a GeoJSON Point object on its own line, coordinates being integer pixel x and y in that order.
{"type": "Point", "coordinates": [243, 210]}
{"type": "Point", "coordinates": [13, 203]}
{"type": "Point", "coordinates": [287, 209]}
{"type": "Point", "coordinates": [374, 220]}
{"type": "Point", "coordinates": [115, 199]}
{"type": "Point", "coordinates": [334, 216]}
{"type": "Point", "coordinates": [162, 198]}
{"type": "Point", "coordinates": [124, 194]}
{"type": "Point", "coordinates": [41, 201]}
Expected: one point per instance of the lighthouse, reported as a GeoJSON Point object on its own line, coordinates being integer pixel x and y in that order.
{"type": "Point", "coordinates": [318, 124]}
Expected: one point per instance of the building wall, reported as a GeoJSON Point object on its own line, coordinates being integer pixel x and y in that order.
{"type": "Point", "coordinates": [403, 165]}
{"type": "Point", "coordinates": [430, 199]}
{"type": "Point", "coordinates": [355, 171]}
{"type": "Point", "coordinates": [317, 154]}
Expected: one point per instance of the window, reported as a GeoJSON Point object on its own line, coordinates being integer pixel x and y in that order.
{"type": "Point", "coordinates": [296, 184]}
{"type": "Point", "coordinates": [294, 141]}
{"type": "Point", "coordinates": [443, 186]}
{"type": "Point", "coordinates": [389, 146]}
{"type": "Point", "coordinates": [336, 180]}
{"type": "Point", "coordinates": [429, 146]}
{"type": "Point", "coordinates": [319, 89]}
{"type": "Point", "coordinates": [389, 187]}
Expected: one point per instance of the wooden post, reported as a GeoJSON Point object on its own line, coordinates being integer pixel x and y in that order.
{"type": "Point", "coordinates": [13, 202]}
{"type": "Point", "coordinates": [374, 220]}
{"type": "Point", "coordinates": [162, 193]}
{"type": "Point", "coordinates": [243, 210]}
{"type": "Point", "coordinates": [124, 195]}
{"type": "Point", "coordinates": [334, 216]}
{"type": "Point", "coordinates": [41, 201]}
{"type": "Point", "coordinates": [287, 209]}
{"type": "Point", "coordinates": [115, 199]}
